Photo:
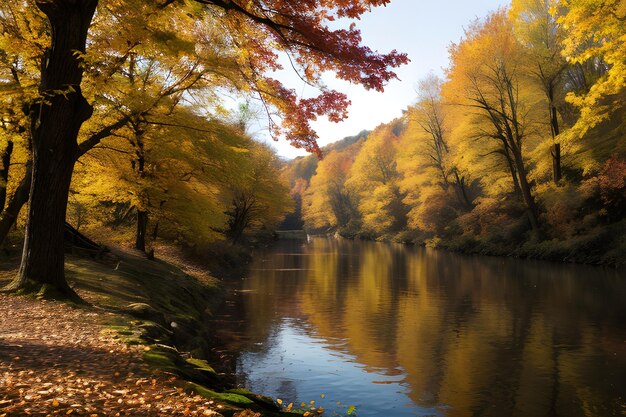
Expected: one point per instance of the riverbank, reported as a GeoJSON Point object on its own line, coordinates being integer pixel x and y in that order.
{"type": "Point", "coordinates": [139, 348]}
{"type": "Point", "coordinates": [602, 246]}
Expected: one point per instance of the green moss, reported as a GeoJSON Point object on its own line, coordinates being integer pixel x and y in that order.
{"type": "Point", "coordinates": [227, 397]}
{"type": "Point", "coordinates": [241, 391]}
{"type": "Point", "coordinates": [263, 401]}
{"type": "Point", "coordinates": [159, 360]}
{"type": "Point", "coordinates": [201, 365]}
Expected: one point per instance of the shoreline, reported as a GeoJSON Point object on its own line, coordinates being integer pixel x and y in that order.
{"type": "Point", "coordinates": [604, 246]}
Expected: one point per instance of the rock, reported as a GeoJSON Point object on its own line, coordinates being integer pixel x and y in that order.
{"type": "Point", "coordinates": [146, 312]}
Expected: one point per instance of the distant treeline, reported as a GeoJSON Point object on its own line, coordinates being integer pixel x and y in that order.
{"type": "Point", "coordinates": [520, 149]}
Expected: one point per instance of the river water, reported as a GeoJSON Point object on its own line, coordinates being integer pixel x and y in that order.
{"type": "Point", "coordinates": [396, 331]}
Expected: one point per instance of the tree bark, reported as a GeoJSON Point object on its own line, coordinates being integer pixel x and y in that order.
{"type": "Point", "coordinates": [16, 202]}
{"type": "Point", "coordinates": [527, 196]}
{"type": "Point", "coordinates": [556, 162]}
{"type": "Point", "coordinates": [4, 172]}
{"type": "Point", "coordinates": [556, 147]}
{"type": "Point", "coordinates": [20, 197]}
{"type": "Point", "coordinates": [55, 122]}
{"type": "Point", "coordinates": [139, 166]}
{"type": "Point", "coordinates": [142, 227]}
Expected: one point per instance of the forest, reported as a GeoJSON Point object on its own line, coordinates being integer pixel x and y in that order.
{"type": "Point", "coordinates": [517, 150]}
{"type": "Point", "coordinates": [124, 138]}
{"type": "Point", "coordinates": [118, 120]}
{"type": "Point", "coordinates": [159, 257]}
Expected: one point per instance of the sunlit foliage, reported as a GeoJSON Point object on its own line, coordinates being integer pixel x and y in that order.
{"type": "Point", "coordinates": [374, 174]}
{"type": "Point", "coordinates": [522, 142]}
{"type": "Point", "coordinates": [329, 203]}
{"type": "Point", "coordinates": [595, 36]}
{"type": "Point", "coordinates": [259, 195]}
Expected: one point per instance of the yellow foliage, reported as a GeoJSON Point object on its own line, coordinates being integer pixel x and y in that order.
{"type": "Point", "coordinates": [328, 203]}
{"type": "Point", "coordinates": [374, 176]}
{"type": "Point", "coordinates": [596, 32]}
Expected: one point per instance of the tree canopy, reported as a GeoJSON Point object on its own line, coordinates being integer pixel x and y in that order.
{"type": "Point", "coordinates": [83, 72]}
{"type": "Point", "coordinates": [512, 149]}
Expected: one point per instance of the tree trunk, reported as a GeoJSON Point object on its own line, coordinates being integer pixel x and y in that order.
{"type": "Point", "coordinates": [514, 175]}
{"type": "Point", "coordinates": [4, 173]}
{"type": "Point", "coordinates": [556, 162]}
{"type": "Point", "coordinates": [142, 215]}
{"type": "Point", "coordinates": [238, 224]}
{"type": "Point", "coordinates": [142, 227]}
{"type": "Point", "coordinates": [527, 196]}
{"type": "Point", "coordinates": [556, 148]}
{"type": "Point", "coordinates": [21, 194]}
{"type": "Point", "coordinates": [17, 201]}
{"type": "Point", "coordinates": [55, 123]}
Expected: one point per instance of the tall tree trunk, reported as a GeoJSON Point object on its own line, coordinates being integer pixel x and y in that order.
{"type": "Point", "coordinates": [556, 162]}
{"type": "Point", "coordinates": [4, 172]}
{"type": "Point", "coordinates": [142, 215]}
{"type": "Point", "coordinates": [527, 196]}
{"type": "Point", "coordinates": [21, 194]}
{"type": "Point", "coordinates": [55, 123]}
{"type": "Point", "coordinates": [513, 171]}
{"type": "Point", "coordinates": [556, 147]}
{"type": "Point", "coordinates": [142, 227]}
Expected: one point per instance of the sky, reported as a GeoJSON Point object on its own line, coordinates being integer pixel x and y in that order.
{"type": "Point", "coordinates": [423, 29]}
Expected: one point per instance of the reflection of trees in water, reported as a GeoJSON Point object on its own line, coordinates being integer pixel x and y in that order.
{"type": "Point", "coordinates": [484, 336]}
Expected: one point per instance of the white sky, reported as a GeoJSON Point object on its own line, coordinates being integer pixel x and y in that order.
{"type": "Point", "coordinates": [423, 29]}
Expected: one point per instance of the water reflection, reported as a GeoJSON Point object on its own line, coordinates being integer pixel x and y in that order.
{"type": "Point", "coordinates": [402, 331]}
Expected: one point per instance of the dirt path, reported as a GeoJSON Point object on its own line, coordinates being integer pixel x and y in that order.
{"type": "Point", "coordinates": [60, 360]}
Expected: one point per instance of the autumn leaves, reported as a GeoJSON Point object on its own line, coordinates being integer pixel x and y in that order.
{"type": "Point", "coordinates": [530, 112]}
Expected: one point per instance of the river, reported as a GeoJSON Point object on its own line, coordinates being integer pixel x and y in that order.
{"type": "Point", "coordinates": [396, 331]}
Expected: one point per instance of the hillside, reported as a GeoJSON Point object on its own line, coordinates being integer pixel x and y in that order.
{"type": "Point", "coordinates": [138, 348]}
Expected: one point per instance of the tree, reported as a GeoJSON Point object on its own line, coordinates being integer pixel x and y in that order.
{"type": "Point", "coordinates": [22, 41]}
{"type": "Point", "coordinates": [260, 199]}
{"type": "Point", "coordinates": [375, 178]}
{"type": "Point", "coordinates": [328, 203]}
{"type": "Point", "coordinates": [595, 35]}
{"type": "Point", "coordinates": [536, 25]}
{"type": "Point", "coordinates": [181, 187]}
{"type": "Point", "coordinates": [296, 28]}
{"type": "Point", "coordinates": [428, 116]}
{"type": "Point", "coordinates": [485, 77]}
{"type": "Point", "coordinates": [436, 190]}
